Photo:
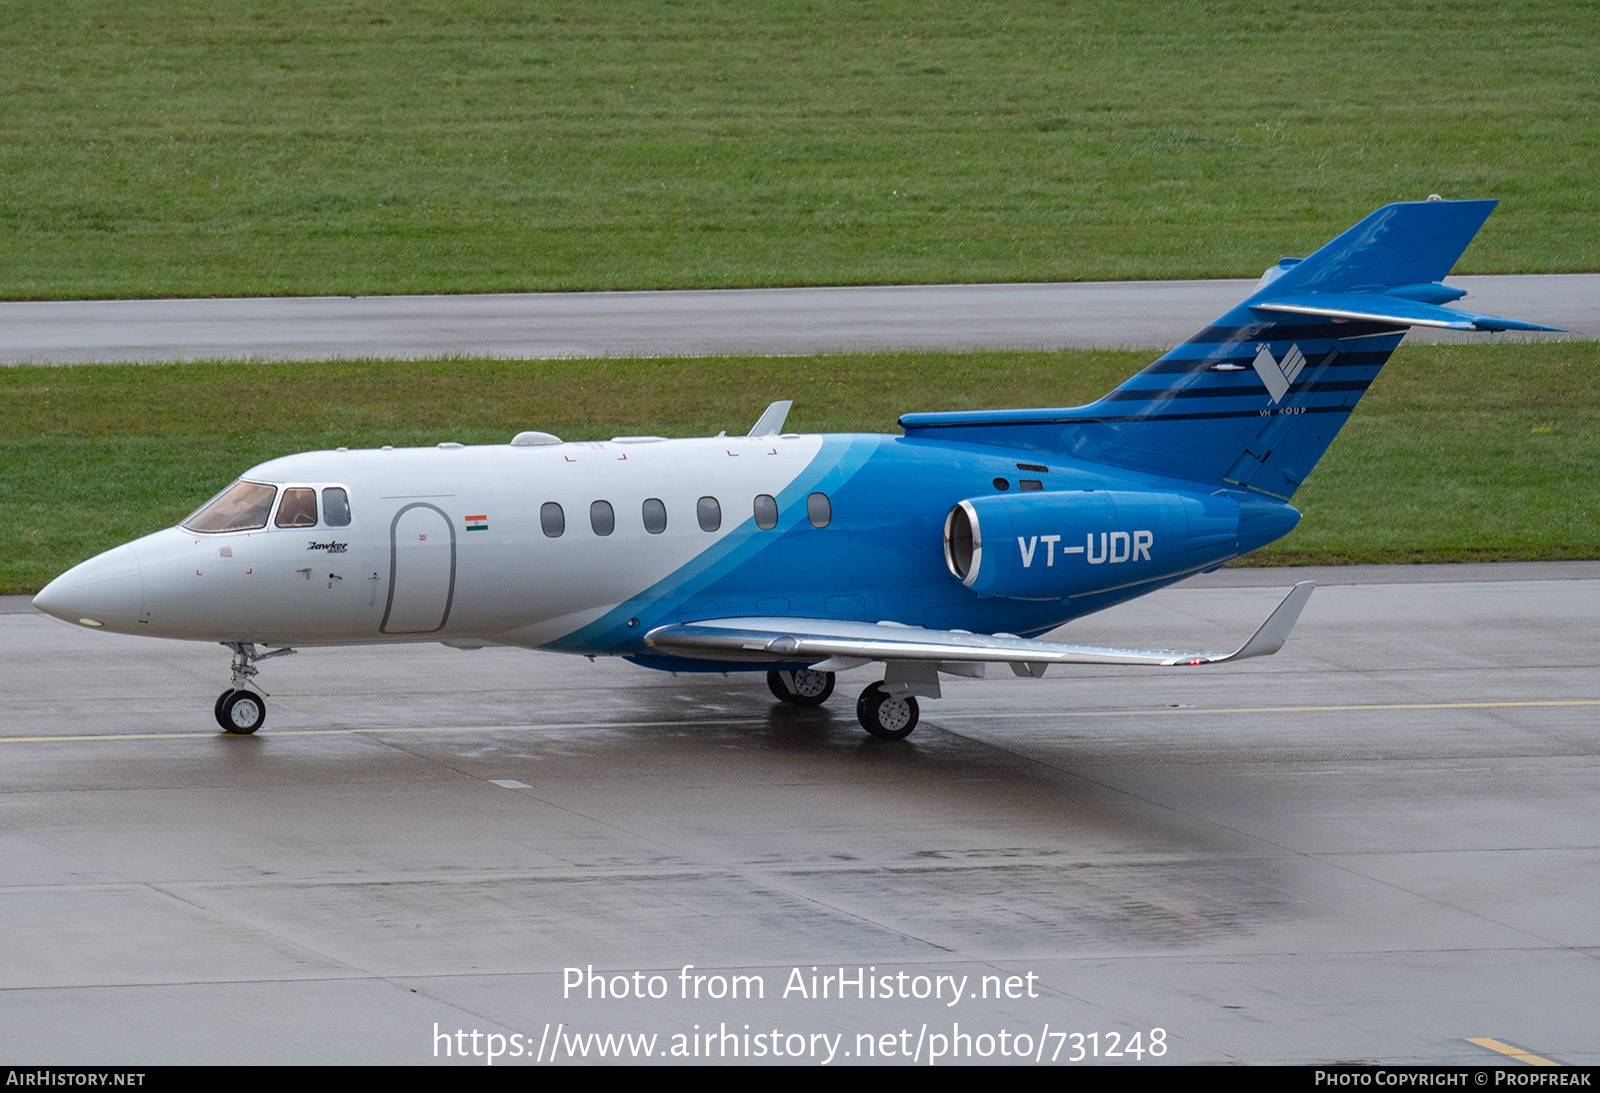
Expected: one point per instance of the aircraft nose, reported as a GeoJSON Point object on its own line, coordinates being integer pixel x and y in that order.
{"type": "Point", "coordinates": [106, 591]}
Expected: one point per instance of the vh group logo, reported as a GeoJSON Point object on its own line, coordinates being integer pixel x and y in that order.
{"type": "Point", "coordinates": [1278, 375]}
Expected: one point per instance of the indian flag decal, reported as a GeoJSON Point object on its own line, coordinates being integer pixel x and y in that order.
{"type": "Point", "coordinates": [477, 523]}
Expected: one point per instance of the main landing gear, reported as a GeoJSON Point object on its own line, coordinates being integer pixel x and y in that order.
{"type": "Point", "coordinates": [238, 710]}
{"type": "Point", "coordinates": [886, 716]}
{"type": "Point", "coordinates": [802, 688]}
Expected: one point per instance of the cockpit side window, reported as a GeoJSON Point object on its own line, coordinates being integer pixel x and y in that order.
{"type": "Point", "coordinates": [243, 506]}
{"type": "Point", "coordinates": [298, 509]}
{"type": "Point", "coordinates": [336, 507]}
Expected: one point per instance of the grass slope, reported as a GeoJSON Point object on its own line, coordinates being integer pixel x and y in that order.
{"type": "Point", "coordinates": [176, 148]}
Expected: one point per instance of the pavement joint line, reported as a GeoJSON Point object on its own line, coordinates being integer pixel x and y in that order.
{"type": "Point", "coordinates": [755, 720]}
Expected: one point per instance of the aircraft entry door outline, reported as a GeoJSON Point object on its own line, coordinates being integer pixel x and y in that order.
{"type": "Point", "coordinates": [422, 570]}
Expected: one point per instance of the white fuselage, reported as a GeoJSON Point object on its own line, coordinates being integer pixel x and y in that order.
{"type": "Point", "coordinates": [410, 565]}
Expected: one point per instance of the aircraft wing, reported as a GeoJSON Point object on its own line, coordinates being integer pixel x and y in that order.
{"type": "Point", "coordinates": [837, 645]}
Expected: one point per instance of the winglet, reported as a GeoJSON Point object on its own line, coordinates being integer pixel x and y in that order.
{"type": "Point", "coordinates": [772, 419]}
{"type": "Point", "coordinates": [1275, 631]}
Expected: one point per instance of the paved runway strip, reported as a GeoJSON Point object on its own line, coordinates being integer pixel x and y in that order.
{"type": "Point", "coordinates": [1140, 314]}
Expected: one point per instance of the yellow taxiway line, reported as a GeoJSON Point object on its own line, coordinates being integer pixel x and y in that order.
{"type": "Point", "coordinates": [1514, 1052]}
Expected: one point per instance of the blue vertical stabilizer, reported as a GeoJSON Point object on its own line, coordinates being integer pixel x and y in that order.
{"type": "Point", "coordinates": [1254, 399]}
{"type": "Point", "coordinates": [1408, 243]}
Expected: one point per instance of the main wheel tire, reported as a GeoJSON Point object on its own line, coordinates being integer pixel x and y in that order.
{"type": "Point", "coordinates": [241, 712]}
{"type": "Point", "coordinates": [811, 688]}
{"type": "Point", "coordinates": [884, 715]}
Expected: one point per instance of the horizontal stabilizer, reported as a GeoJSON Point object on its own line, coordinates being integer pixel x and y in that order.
{"type": "Point", "coordinates": [1378, 308]}
{"type": "Point", "coordinates": [816, 641]}
{"type": "Point", "coordinates": [1386, 269]}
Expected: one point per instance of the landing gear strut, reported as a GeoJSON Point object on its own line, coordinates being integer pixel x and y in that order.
{"type": "Point", "coordinates": [802, 688]}
{"type": "Point", "coordinates": [241, 711]}
{"type": "Point", "coordinates": [886, 716]}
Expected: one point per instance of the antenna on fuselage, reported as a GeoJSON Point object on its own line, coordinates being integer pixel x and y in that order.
{"type": "Point", "coordinates": [772, 419]}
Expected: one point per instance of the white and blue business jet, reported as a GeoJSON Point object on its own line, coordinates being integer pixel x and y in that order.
{"type": "Point", "coordinates": [932, 553]}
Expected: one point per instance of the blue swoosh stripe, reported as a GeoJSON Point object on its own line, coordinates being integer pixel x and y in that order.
{"type": "Point", "coordinates": [835, 464]}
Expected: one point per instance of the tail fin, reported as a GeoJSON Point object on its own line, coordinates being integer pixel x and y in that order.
{"type": "Point", "coordinates": [1254, 399]}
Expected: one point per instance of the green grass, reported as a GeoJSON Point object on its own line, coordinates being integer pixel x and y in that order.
{"type": "Point", "coordinates": [1461, 453]}
{"type": "Point", "coordinates": [171, 147]}
{"type": "Point", "coordinates": [1457, 453]}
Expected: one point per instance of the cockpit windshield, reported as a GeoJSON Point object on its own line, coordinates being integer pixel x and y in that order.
{"type": "Point", "coordinates": [243, 506]}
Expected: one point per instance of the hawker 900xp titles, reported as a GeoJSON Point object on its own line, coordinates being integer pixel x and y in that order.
{"type": "Point", "coordinates": [933, 553]}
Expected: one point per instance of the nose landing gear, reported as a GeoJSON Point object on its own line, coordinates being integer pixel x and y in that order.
{"type": "Point", "coordinates": [238, 710]}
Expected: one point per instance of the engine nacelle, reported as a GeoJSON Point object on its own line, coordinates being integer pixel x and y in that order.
{"type": "Point", "coordinates": [1046, 546]}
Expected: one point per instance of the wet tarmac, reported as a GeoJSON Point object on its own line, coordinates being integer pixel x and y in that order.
{"type": "Point", "coordinates": [1375, 846]}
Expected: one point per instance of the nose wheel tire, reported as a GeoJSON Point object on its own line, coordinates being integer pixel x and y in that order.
{"type": "Point", "coordinates": [810, 688]}
{"type": "Point", "coordinates": [241, 712]}
{"type": "Point", "coordinates": [886, 716]}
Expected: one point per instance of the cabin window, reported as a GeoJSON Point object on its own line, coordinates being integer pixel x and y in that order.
{"type": "Point", "coordinates": [655, 516]}
{"type": "Point", "coordinates": [552, 520]}
{"type": "Point", "coordinates": [602, 518]}
{"type": "Point", "coordinates": [243, 506]}
{"type": "Point", "coordinates": [298, 509]}
{"type": "Point", "coordinates": [709, 513]}
{"type": "Point", "coordinates": [819, 510]}
{"type": "Point", "coordinates": [766, 511]}
{"type": "Point", "coordinates": [335, 507]}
